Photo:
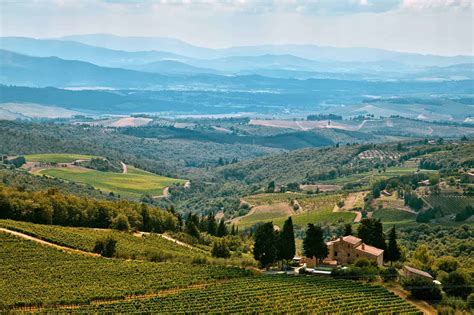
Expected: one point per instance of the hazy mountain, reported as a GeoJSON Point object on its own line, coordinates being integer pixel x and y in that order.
{"type": "Point", "coordinates": [78, 51]}
{"type": "Point", "coordinates": [17, 69]}
{"type": "Point", "coordinates": [173, 68]}
{"type": "Point", "coordinates": [313, 52]}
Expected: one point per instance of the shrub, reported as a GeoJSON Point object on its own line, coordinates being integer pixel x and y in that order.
{"type": "Point", "coordinates": [355, 273]}
{"type": "Point", "coordinates": [457, 284]}
{"type": "Point", "coordinates": [447, 264]}
{"type": "Point", "coordinates": [158, 256]}
{"type": "Point", "coordinates": [220, 249]}
{"type": "Point", "coordinates": [389, 274]}
{"type": "Point", "coordinates": [422, 289]}
{"type": "Point", "coordinates": [364, 262]}
{"type": "Point", "coordinates": [105, 247]}
{"type": "Point", "coordinates": [120, 223]}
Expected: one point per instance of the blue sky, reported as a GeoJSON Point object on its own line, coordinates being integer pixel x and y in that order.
{"type": "Point", "coordinates": [426, 26]}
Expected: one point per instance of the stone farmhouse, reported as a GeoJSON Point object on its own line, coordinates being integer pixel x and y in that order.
{"type": "Point", "coordinates": [346, 249]}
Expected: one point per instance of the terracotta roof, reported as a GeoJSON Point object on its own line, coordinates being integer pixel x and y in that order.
{"type": "Point", "coordinates": [352, 239]}
{"type": "Point", "coordinates": [418, 272]}
{"type": "Point", "coordinates": [370, 249]}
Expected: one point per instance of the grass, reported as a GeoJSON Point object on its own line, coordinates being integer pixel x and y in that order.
{"type": "Point", "coordinates": [128, 244]}
{"type": "Point", "coordinates": [394, 216]}
{"type": "Point", "coordinates": [133, 184]}
{"type": "Point", "coordinates": [57, 157]}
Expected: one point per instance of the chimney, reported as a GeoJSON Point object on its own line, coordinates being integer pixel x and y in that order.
{"type": "Point", "coordinates": [341, 238]}
{"type": "Point", "coordinates": [363, 246]}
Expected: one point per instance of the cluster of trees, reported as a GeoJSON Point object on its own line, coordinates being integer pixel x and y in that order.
{"type": "Point", "coordinates": [53, 207]}
{"type": "Point", "coordinates": [323, 117]}
{"type": "Point", "coordinates": [16, 162]}
{"type": "Point", "coordinates": [103, 165]}
{"type": "Point", "coordinates": [195, 225]}
{"type": "Point", "coordinates": [272, 246]}
{"type": "Point", "coordinates": [465, 214]}
{"type": "Point", "coordinates": [413, 201]}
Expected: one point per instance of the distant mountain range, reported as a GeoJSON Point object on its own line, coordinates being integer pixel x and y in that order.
{"type": "Point", "coordinates": [271, 61]}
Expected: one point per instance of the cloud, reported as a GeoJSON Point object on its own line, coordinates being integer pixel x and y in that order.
{"type": "Point", "coordinates": [437, 4]}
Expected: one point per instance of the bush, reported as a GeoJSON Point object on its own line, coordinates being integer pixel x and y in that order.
{"type": "Point", "coordinates": [120, 223]}
{"type": "Point", "coordinates": [105, 247]}
{"type": "Point", "coordinates": [220, 249]}
{"type": "Point", "coordinates": [470, 301]}
{"type": "Point", "coordinates": [158, 256]}
{"type": "Point", "coordinates": [447, 264]}
{"type": "Point", "coordinates": [389, 274]}
{"type": "Point", "coordinates": [364, 262]}
{"type": "Point", "coordinates": [422, 289]}
{"type": "Point", "coordinates": [355, 273]}
{"type": "Point", "coordinates": [457, 284]}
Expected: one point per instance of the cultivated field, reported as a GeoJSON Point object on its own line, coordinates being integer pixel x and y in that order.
{"type": "Point", "coordinates": [394, 216]}
{"type": "Point", "coordinates": [134, 183]}
{"type": "Point", "coordinates": [57, 157]}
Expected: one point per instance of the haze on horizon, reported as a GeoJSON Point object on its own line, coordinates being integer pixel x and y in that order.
{"type": "Point", "coordinates": [441, 27]}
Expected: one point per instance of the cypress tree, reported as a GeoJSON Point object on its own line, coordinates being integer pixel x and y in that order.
{"type": "Point", "coordinates": [348, 229]}
{"type": "Point", "coordinates": [393, 251]}
{"type": "Point", "coordinates": [371, 232]}
{"type": "Point", "coordinates": [265, 250]}
{"type": "Point", "coordinates": [222, 229]}
{"type": "Point", "coordinates": [286, 248]}
{"type": "Point", "coordinates": [313, 243]}
{"type": "Point", "coordinates": [232, 231]}
{"type": "Point", "coordinates": [211, 224]}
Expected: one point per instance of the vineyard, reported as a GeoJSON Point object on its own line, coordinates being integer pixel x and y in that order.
{"type": "Point", "coordinates": [389, 216]}
{"type": "Point", "coordinates": [314, 209]}
{"type": "Point", "coordinates": [267, 294]}
{"type": "Point", "coordinates": [37, 275]}
{"type": "Point", "coordinates": [450, 204]}
{"type": "Point", "coordinates": [128, 245]}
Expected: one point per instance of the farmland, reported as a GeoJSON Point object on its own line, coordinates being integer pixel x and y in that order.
{"type": "Point", "coordinates": [38, 276]}
{"type": "Point", "coordinates": [450, 204]}
{"type": "Point", "coordinates": [129, 245]}
{"type": "Point", "coordinates": [392, 216]}
{"type": "Point", "coordinates": [133, 184]}
{"type": "Point", "coordinates": [269, 294]}
{"type": "Point", "coordinates": [314, 209]}
{"type": "Point", "coordinates": [57, 157]}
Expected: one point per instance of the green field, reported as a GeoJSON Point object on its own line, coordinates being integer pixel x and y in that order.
{"type": "Point", "coordinates": [394, 216]}
{"type": "Point", "coordinates": [450, 204]}
{"type": "Point", "coordinates": [57, 157]}
{"type": "Point", "coordinates": [317, 209]}
{"type": "Point", "coordinates": [128, 244]}
{"type": "Point", "coordinates": [133, 184]}
{"type": "Point", "coordinates": [33, 275]}
{"type": "Point", "coordinates": [36, 275]}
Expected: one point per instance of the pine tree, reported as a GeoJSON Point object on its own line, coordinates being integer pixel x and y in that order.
{"type": "Point", "coordinates": [348, 229]}
{"type": "Point", "coordinates": [286, 248]}
{"type": "Point", "coordinates": [313, 243]}
{"type": "Point", "coordinates": [265, 250]}
{"type": "Point", "coordinates": [222, 229]}
{"type": "Point", "coordinates": [393, 251]}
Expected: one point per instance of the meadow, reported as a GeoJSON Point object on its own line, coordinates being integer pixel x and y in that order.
{"type": "Point", "coordinates": [134, 184]}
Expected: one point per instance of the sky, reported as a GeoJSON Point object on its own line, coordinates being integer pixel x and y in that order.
{"type": "Point", "coordinates": [442, 27]}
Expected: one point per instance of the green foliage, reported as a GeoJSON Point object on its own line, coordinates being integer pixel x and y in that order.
{"type": "Point", "coordinates": [313, 243]}
{"type": "Point", "coordinates": [265, 247]}
{"type": "Point", "coordinates": [392, 253]}
{"type": "Point", "coordinates": [52, 207]}
{"type": "Point", "coordinates": [103, 165]}
{"type": "Point", "coordinates": [222, 229]}
{"type": "Point", "coordinates": [464, 214]}
{"type": "Point", "coordinates": [220, 249]}
{"type": "Point", "coordinates": [371, 233]}
{"type": "Point", "coordinates": [367, 273]}
{"type": "Point", "coordinates": [447, 264]}
{"type": "Point", "coordinates": [389, 274]}
{"type": "Point", "coordinates": [120, 222]}
{"type": "Point", "coordinates": [457, 284]}
{"type": "Point", "coordinates": [105, 247]}
{"type": "Point", "coordinates": [16, 162]}
{"type": "Point", "coordinates": [347, 229]}
{"type": "Point", "coordinates": [286, 241]}
{"type": "Point", "coordinates": [422, 289]}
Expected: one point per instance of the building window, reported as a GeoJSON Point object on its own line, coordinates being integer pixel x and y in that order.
{"type": "Point", "coordinates": [335, 254]}
{"type": "Point", "coordinates": [348, 254]}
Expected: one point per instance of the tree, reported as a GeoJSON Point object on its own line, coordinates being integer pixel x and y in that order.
{"type": "Point", "coordinates": [347, 229]}
{"type": "Point", "coordinates": [422, 289]}
{"type": "Point", "coordinates": [232, 231]}
{"type": "Point", "coordinates": [222, 229]}
{"type": "Point", "coordinates": [447, 264]}
{"type": "Point", "coordinates": [105, 247]}
{"type": "Point", "coordinates": [313, 243]}
{"type": "Point", "coordinates": [265, 250]}
{"type": "Point", "coordinates": [393, 251]}
{"type": "Point", "coordinates": [192, 229]}
{"type": "Point", "coordinates": [220, 249]}
{"type": "Point", "coordinates": [457, 284]}
{"type": "Point", "coordinates": [371, 233]}
{"type": "Point", "coordinates": [286, 248]}
{"type": "Point", "coordinates": [211, 224]}
{"type": "Point", "coordinates": [120, 222]}
{"type": "Point", "coordinates": [271, 187]}
{"type": "Point", "coordinates": [422, 257]}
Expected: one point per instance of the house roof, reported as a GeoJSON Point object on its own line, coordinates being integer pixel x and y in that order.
{"type": "Point", "coordinates": [418, 272]}
{"type": "Point", "coordinates": [352, 239]}
{"type": "Point", "coordinates": [370, 249]}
